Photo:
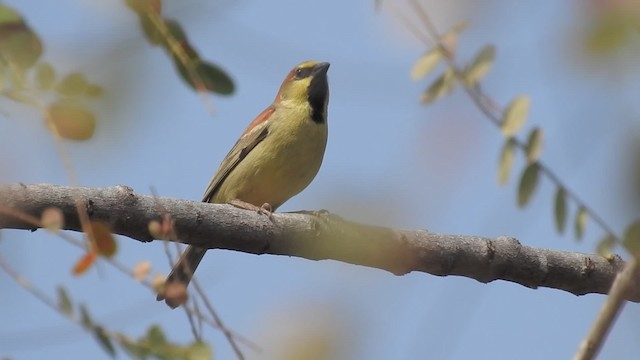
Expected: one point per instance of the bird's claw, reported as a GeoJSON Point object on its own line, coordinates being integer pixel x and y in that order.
{"type": "Point", "coordinates": [265, 209]}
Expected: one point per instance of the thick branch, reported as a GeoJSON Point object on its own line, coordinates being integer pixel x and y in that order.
{"type": "Point", "coordinates": [318, 237]}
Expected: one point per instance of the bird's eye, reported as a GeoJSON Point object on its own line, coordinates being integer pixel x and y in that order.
{"type": "Point", "coordinates": [302, 73]}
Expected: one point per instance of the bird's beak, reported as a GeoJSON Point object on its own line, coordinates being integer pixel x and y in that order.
{"type": "Point", "coordinates": [320, 69]}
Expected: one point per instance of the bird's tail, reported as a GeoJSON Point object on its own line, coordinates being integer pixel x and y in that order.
{"type": "Point", "coordinates": [182, 271]}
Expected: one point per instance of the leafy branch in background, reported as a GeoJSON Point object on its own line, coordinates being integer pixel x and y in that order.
{"type": "Point", "coordinates": [52, 219]}
{"type": "Point", "coordinates": [509, 120]}
{"type": "Point", "coordinates": [152, 344]}
{"type": "Point", "coordinates": [63, 102]}
{"type": "Point", "coordinates": [159, 31]}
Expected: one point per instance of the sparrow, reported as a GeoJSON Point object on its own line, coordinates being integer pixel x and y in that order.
{"type": "Point", "coordinates": [276, 157]}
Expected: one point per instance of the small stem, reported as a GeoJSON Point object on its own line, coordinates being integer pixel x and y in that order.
{"type": "Point", "coordinates": [610, 309]}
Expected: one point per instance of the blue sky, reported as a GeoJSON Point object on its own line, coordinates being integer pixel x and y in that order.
{"type": "Point", "coordinates": [389, 160]}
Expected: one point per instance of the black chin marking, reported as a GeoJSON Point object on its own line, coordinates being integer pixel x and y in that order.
{"type": "Point", "coordinates": [318, 94]}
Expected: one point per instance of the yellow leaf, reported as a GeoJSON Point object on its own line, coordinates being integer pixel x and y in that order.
{"type": "Point", "coordinates": [481, 65]}
{"type": "Point", "coordinates": [631, 239]}
{"type": "Point", "coordinates": [515, 116]}
{"type": "Point", "coordinates": [426, 63]}
{"type": "Point", "coordinates": [443, 85]}
{"type": "Point", "coordinates": [605, 246]}
{"type": "Point", "coordinates": [581, 222]}
{"type": "Point", "coordinates": [507, 156]}
{"type": "Point", "coordinates": [45, 76]}
{"type": "Point", "coordinates": [73, 84]}
{"type": "Point", "coordinates": [534, 145]}
{"type": "Point", "coordinates": [70, 120]}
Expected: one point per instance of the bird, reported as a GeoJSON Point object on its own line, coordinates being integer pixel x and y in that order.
{"type": "Point", "coordinates": [275, 158]}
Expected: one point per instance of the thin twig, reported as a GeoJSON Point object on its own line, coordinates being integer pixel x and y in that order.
{"type": "Point", "coordinates": [29, 287]}
{"type": "Point", "coordinates": [35, 222]}
{"type": "Point", "coordinates": [197, 330]}
{"type": "Point", "coordinates": [590, 346]}
{"type": "Point", "coordinates": [217, 319]}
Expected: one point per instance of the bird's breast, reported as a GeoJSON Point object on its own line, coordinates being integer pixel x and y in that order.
{"type": "Point", "coordinates": [282, 164]}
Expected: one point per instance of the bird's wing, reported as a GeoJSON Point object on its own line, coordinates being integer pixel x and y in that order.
{"type": "Point", "coordinates": [252, 136]}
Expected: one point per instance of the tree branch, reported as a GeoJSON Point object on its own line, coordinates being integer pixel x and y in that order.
{"type": "Point", "coordinates": [317, 237]}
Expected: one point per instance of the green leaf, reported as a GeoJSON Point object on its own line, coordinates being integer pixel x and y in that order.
{"type": "Point", "coordinates": [94, 90]}
{"type": "Point", "coordinates": [528, 183]}
{"type": "Point", "coordinates": [199, 351]}
{"type": "Point", "coordinates": [605, 246]}
{"type": "Point", "coordinates": [443, 85]}
{"type": "Point", "coordinates": [19, 45]}
{"type": "Point", "coordinates": [8, 15]}
{"type": "Point", "coordinates": [560, 210]}
{"type": "Point", "coordinates": [64, 302]}
{"type": "Point", "coordinates": [211, 77]}
{"type": "Point", "coordinates": [135, 349]}
{"type": "Point", "coordinates": [609, 32]}
{"type": "Point", "coordinates": [215, 79]}
{"type": "Point", "coordinates": [581, 222]}
{"type": "Point", "coordinates": [426, 63]}
{"type": "Point", "coordinates": [515, 116]}
{"type": "Point", "coordinates": [151, 31]}
{"type": "Point", "coordinates": [45, 76]}
{"type": "Point", "coordinates": [104, 340]}
{"type": "Point", "coordinates": [73, 84]}
{"type": "Point", "coordinates": [71, 120]}
{"type": "Point", "coordinates": [534, 145]}
{"type": "Point", "coordinates": [145, 6]}
{"type": "Point", "coordinates": [85, 318]}
{"type": "Point", "coordinates": [480, 65]}
{"type": "Point", "coordinates": [505, 163]}
{"type": "Point", "coordinates": [176, 31]}
{"type": "Point", "coordinates": [631, 240]}
{"type": "Point", "coordinates": [155, 336]}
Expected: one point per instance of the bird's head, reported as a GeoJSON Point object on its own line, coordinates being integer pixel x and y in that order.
{"type": "Point", "coordinates": [307, 83]}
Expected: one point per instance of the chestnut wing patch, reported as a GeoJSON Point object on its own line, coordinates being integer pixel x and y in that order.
{"type": "Point", "coordinates": [237, 153]}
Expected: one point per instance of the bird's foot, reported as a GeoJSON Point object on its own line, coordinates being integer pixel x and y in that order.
{"type": "Point", "coordinates": [265, 209]}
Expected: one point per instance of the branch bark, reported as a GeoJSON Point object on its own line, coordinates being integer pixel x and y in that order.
{"type": "Point", "coordinates": [316, 237]}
